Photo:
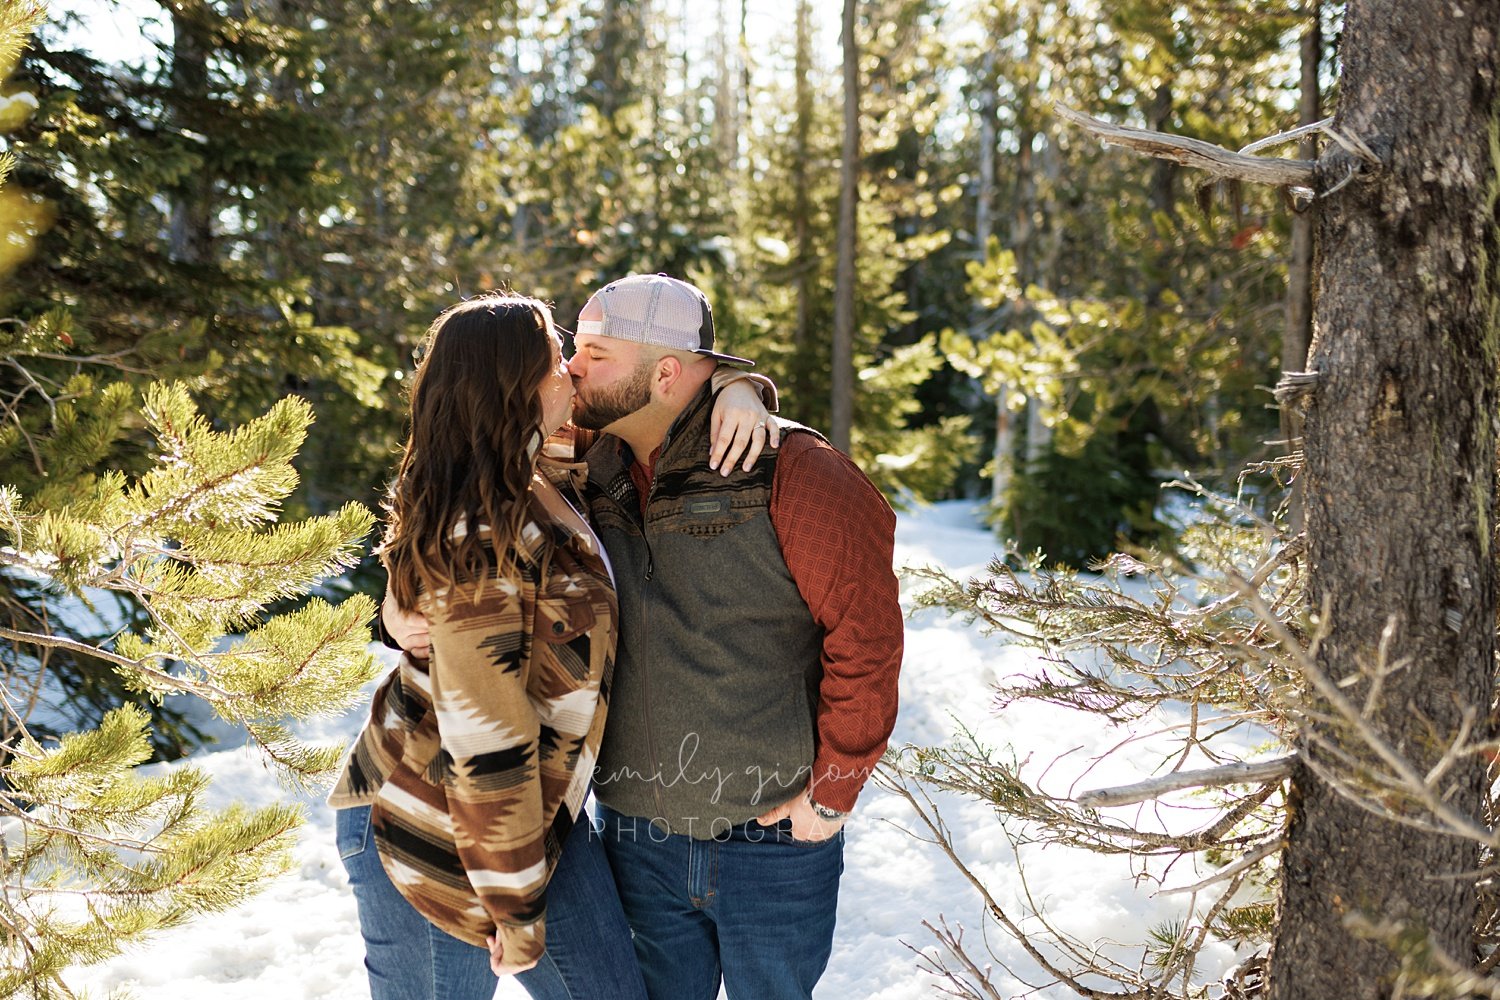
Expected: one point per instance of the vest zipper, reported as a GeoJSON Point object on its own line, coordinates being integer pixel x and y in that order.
{"type": "Point", "coordinates": [661, 809]}
{"type": "Point", "coordinates": [644, 667]}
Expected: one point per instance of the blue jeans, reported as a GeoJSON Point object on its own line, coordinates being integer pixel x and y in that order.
{"type": "Point", "coordinates": [407, 958]}
{"type": "Point", "coordinates": [754, 908]}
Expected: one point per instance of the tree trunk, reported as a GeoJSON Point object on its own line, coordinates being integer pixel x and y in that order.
{"type": "Point", "coordinates": [1299, 285]}
{"type": "Point", "coordinates": [843, 303]}
{"type": "Point", "coordinates": [619, 38]}
{"type": "Point", "coordinates": [745, 68]}
{"type": "Point", "coordinates": [801, 154]}
{"type": "Point", "coordinates": [1400, 469]}
{"type": "Point", "coordinates": [192, 210]}
{"type": "Point", "coordinates": [726, 100]}
{"type": "Point", "coordinates": [983, 228]}
{"type": "Point", "coordinates": [984, 201]}
{"type": "Point", "coordinates": [1299, 270]}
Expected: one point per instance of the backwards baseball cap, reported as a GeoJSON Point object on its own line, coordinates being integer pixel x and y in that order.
{"type": "Point", "coordinates": [658, 310]}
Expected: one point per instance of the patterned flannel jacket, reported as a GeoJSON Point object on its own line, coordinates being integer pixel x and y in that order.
{"type": "Point", "coordinates": [476, 763]}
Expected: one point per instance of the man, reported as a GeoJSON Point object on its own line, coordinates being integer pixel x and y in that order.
{"type": "Point", "coordinates": [756, 679]}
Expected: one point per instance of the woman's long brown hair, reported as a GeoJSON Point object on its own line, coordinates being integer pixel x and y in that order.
{"type": "Point", "coordinates": [475, 413]}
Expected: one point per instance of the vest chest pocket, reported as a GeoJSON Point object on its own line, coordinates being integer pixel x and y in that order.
{"type": "Point", "coordinates": [706, 516]}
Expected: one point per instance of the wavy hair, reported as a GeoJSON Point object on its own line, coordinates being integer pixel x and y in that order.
{"type": "Point", "coordinates": [475, 414]}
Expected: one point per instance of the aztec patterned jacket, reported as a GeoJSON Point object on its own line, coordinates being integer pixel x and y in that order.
{"type": "Point", "coordinates": [477, 762]}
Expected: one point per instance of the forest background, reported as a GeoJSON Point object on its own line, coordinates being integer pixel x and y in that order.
{"type": "Point", "coordinates": [272, 198]}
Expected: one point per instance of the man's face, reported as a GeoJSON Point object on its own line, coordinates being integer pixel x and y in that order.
{"type": "Point", "coordinates": [611, 378]}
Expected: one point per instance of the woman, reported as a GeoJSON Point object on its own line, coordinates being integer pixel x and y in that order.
{"type": "Point", "coordinates": [465, 790]}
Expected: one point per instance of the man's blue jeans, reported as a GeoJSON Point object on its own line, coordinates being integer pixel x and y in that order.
{"type": "Point", "coordinates": [754, 908]}
{"type": "Point", "coordinates": [588, 943]}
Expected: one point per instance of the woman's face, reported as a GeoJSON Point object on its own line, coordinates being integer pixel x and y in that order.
{"type": "Point", "coordinates": [557, 389]}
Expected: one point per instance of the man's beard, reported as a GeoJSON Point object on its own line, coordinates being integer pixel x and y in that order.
{"type": "Point", "coordinates": [601, 407]}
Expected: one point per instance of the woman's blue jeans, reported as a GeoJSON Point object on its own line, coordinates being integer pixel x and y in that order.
{"type": "Point", "coordinates": [589, 954]}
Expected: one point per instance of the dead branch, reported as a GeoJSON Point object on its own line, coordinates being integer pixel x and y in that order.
{"type": "Point", "coordinates": [977, 988]}
{"type": "Point", "coordinates": [1248, 773]}
{"type": "Point", "coordinates": [1214, 160]}
{"type": "Point", "coordinates": [1293, 387]}
{"type": "Point", "coordinates": [1251, 858]}
{"type": "Point", "coordinates": [894, 780]}
{"type": "Point", "coordinates": [1402, 770]}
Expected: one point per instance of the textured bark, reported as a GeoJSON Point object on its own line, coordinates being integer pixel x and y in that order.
{"type": "Point", "coordinates": [1400, 467]}
{"type": "Point", "coordinates": [843, 303]}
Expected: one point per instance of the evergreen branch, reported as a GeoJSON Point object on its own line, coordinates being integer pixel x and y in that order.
{"type": "Point", "coordinates": [183, 503]}
{"type": "Point", "coordinates": [191, 686]}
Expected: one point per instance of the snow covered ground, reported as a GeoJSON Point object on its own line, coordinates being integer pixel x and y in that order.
{"type": "Point", "coordinates": [300, 939]}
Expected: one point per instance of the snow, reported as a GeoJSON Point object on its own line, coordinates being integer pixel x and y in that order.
{"type": "Point", "coordinates": [300, 937]}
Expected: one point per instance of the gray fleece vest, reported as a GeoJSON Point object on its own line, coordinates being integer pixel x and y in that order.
{"type": "Point", "coordinates": [712, 711]}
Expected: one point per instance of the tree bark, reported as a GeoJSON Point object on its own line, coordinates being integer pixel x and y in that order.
{"type": "Point", "coordinates": [1400, 478]}
{"type": "Point", "coordinates": [984, 201]}
{"type": "Point", "coordinates": [843, 303]}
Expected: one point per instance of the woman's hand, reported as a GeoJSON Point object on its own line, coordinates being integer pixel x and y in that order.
{"type": "Point", "coordinates": [741, 427]}
{"type": "Point", "coordinates": [497, 960]}
{"type": "Point", "coordinates": [407, 628]}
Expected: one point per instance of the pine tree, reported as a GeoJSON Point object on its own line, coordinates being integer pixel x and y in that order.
{"type": "Point", "coordinates": [97, 854]}
{"type": "Point", "coordinates": [179, 559]}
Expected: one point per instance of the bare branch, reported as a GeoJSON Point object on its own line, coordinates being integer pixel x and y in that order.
{"type": "Point", "coordinates": [1410, 781]}
{"type": "Point", "coordinates": [1290, 135]}
{"type": "Point", "coordinates": [1265, 850]}
{"type": "Point", "coordinates": [1294, 386]}
{"type": "Point", "coordinates": [894, 780]}
{"type": "Point", "coordinates": [953, 941]}
{"type": "Point", "coordinates": [1249, 773]}
{"type": "Point", "coordinates": [1214, 160]}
